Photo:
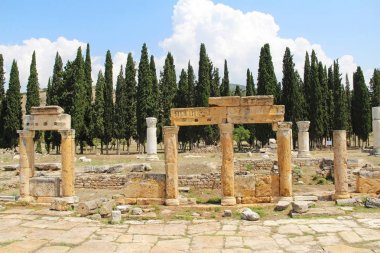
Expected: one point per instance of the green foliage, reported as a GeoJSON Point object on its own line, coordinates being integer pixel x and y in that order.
{"type": "Point", "coordinates": [130, 81]}
{"type": "Point", "coordinates": [120, 117]}
{"type": "Point", "coordinates": [374, 84]}
{"type": "Point", "coordinates": [155, 89]}
{"type": "Point", "coordinates": [203, 87]}
{"type": "Point", "coordinates": [32, 88]}
{"type": "Point", "coordinates": [238, 91]}
{"type": "Point", "coordinates": [108, 100]}
{"type": "Point", "coordinates": [215, 80]}
{"type": "Point", "coordinates": [241, 134]}
{"type": "Point", "coordinates": [168, 89]}
{"type": "Point", "coordinates": [2, 95]}
{"type": "Point", "coordinates": [250, 86]}
{"type": "Point", "coordinates": [307, 84]}
{"type": "Point", "coordinates": [182, 102]}
{"type": "Point", "coordinates": [347, 100]}
{"type": "Point", "coordinates": [225, 86]}
{"type": "Point", "coordinates": [360, 107]}
{"type": "Point", "coordinates": [340, 101]}
{"type": "Point", "coordinates": [11, 114]}
{"type": "Point", "coordinates": [98, 107]}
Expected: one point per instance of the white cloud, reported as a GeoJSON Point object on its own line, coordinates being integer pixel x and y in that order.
{"type": "Point", "coordinates": [45, 56]}
{"type": "Point", "coordinates": [236, 36]}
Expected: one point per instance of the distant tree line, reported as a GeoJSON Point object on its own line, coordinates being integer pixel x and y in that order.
{"type": "Point", "coordinates": [320, 97]}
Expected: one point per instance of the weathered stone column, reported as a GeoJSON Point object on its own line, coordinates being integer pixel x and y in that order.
{"type": "Point", "coordinates": [171, 165]}
{"type": "Point", "coordinates": [376, 130]}
{"type": "Point", "coordinates": [284, 157]}
{"type": "Point", "coordinates": [303, 139]}
{"type": "Point", "coordinates": [151, 139]}
{"type": "Point", "coordinates": [227, 173]}
{"type": "Point", "coordinates": [26, 149]}
{"type": "Point", "coordinates": [340, 164]}
{"type": "Point", "coordinates": [67, 156]}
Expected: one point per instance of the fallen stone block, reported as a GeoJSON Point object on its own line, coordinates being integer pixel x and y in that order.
{"type": "Point", "coordinates": [138, 167]}
{"type": "Point", "coordinates": [372, 203]}
{"type": "Point", "coordinates": [8, 198]}
{"type": "Point", "coordinates": [317, 212]}
{"type": "Point", "coordinates": [59, 205]}
{"type": "Point", "coordinates": [12, 167]}
{"type": "Point", "coordinates": [305, 198]}
{"type": "Point", "coordinates": [45, 186]}
{"type": "Point", "coordinates": [248, 214]}
{"type": "Point", "coordinates": [227, 213]}
{"type": "Point", "coordinates": [136, 211]}
{"type": "Point", "coordinates": [282, 205]}
{"type": "Point", "coordinates": [123, 208]}
{"type": "Point", "coordinates": [300, 206]}
{"type": "Point", "coordinates": [47, 166]}
{"type": "Point", "coordinates": [115, 216]}
{"type": "Point", "coordinates": [184, 189]}
{"type": "Point", "coordinates": [95, 216]}
{"type": "Point", "coordinates": [347, 202]}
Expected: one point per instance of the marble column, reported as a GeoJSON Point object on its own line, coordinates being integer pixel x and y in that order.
{"type": "Point", "coordinates": [303, 139]}
{"type": "Point", "coordinates": [26, 149]}
{"type": "Point", "coordinates": [171, 165]}
{"type": "Point", "coordinates": [67, 156]}
{"type": "Point", "coordinates": [227, 173]}
{"type": "Point", "coordinates": [284, 157]}
{"type": "Point", "coordinates": [340, 164]}
{"type": "Point", "coordinates": [151, 139]}
{"type": "Point", "coordinates": [376, 130]}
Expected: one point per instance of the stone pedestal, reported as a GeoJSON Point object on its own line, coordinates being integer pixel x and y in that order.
{"type": "Point", "coordinates": [26, 149]}
{"type": "Point", "coordinates": [68, 153]}
{"type": "Point", "coordinates": [303, 139]}
{"type": "Point", "coordinates": [284, 158]}
{"type": "Point", "coordinates": [151, 139]}
{"type": "Point", "coordinates": [171, 165]}
{"type": "Point", "coordinates": [340, 164]}
{"type": "Point", "coordinates": [227, 173]}
{"type": "Point", "coordinates": [376, 130]}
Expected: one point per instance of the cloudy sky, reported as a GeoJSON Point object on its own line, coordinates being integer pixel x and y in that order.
{"type": "Point", "coordinates": [231, 29]}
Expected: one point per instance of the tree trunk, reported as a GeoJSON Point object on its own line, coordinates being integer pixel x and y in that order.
{"type": "Point", "coordinates": [118, 147]}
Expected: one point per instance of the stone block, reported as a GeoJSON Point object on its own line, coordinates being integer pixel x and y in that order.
{"type": "Point", "coordinates": [253, 200]}
{"type": "Point", "coordinates": [305, 198]}
{"type": "Point", "coordinates": [367, 185]}
{"type": "Point", "coordinates": [150, 201]}
{"type": "Point", "coordinates": [45, 186]}
{"type": "Point", "coordinates": [300, 206]}
{"type": "Point", "coordinates": [115, 216]}
{"type": "Point", "coordinates": [224, 101]}
{"type": "Point", "coordinates": [145, 186]}
{"type": "Point", "coordinates": [44, 200]}
{"type": "Point", "coordinates": [282, 205]}
{"type": "Point", "coordinates": [59, 205]}
{"type": "Point", "coordinates": [130, 201]}
{"type": "Point", "coordinates": [263, 186]}
{"type": "Point", "coordinates": [275, 185]}
{"type": "Point", "coordinates": [248, 214]}
{"type": "Point", "coordinates": [245, 185]}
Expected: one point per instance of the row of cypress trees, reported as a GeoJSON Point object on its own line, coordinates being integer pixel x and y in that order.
{"type": "Point", "coordinates": [319, 97]}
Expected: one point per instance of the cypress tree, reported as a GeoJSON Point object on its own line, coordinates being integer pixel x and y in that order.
{"type": "Point", "coordinates": [266, 85]}
{"type": "Point", "coordinates": [250, 88]}
{"type": "Point", "coordinates": [191, 102]}
{"type": "Point", "coordinates": [2, 96]}
{"type": "Point", "coordinates": [375, 88]}
{"type": "Point", "coordinates": [108, 101]}
{"type": "Point", "coordinates": [155, 88]}
{"type": "Point", "coordinates": [130, 87]}
{"type": "Point", "coordinates": [203, 87]}
{"type": "Point", "coordinates": [347, 99]}
{"type": "Point", "coordinates": [307, 84]}
{"type": "Point", "coordinates": [238, 91]}
{"type": "Point", "coordinates": [323, 81]}
{"type": "Point", "coordinates": [120, 108]}
{"type": "Point", "coordinates": [215, 80]}
{"type": "Point", "coordinates": [168, 89]}
{"type": "Point", "coordinates": [87, 73]}
{"type": "Point", "coordinates": [32, 89]}
{"type": "Point", "coordinates": [340, 105]}
{"type": "Point", "coordinates": [80, 103]}
{"type": "Point", "coordinates": [48, 134]}
{"type": "Point", "coordinates": [316, 115]}
{"type": "Point", "coordinates": [361, 111]}
{"type": "Point", "coordinates": [225, 86]}
{"type": "Point", "coordinates": [330, 102]}
{"type": "Point", "coordinates": [12, 115]}
{"type": "Point", "coordinates": [144, 95]}
{"type": "Point", "coordinates": [182, 102]}
{"type": "Point", "coordinates": [98, 112]}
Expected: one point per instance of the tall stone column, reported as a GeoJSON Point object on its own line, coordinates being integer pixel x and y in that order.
{"type": "Point", "coordinates": [67, 156]}
{"type": "Point", "coordinates": [340, 164]}
{"type": "Point", "coordinates": [303, 139]}
{"type": "Point", "coordinates": [151, 139]}
{"type": "Point", "coordinates": [227, 173]}
{"type": "Point", "coordinates": [26, 149]}
{"type": "Point", "coordinates": [284, 157]}
{"type": "Point", "coordinates": [376, 130]}
{"type": "Point", "coordinates": [171, 165]}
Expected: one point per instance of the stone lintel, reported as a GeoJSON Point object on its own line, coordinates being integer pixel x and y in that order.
{"type": "Point", "coordinates": [46, 110]}
{"type": "Point", "coordinates": [255, 114]}
{"type": "Point", "coordinates": [241, 101]}
{"type": "Point", "coordinates": [48, 122]}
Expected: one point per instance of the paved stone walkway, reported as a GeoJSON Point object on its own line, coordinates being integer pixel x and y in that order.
{"type": "Point", "coordinates": [28, 230]}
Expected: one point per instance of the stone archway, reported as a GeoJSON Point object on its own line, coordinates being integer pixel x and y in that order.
{"type": "Point", "coordinates": [47, 118]}
{"type": "Point", "coordinates": [225, 112]}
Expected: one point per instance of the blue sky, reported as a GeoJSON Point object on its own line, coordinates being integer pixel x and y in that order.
{"type": "Point", "coordinates": [343, 29]}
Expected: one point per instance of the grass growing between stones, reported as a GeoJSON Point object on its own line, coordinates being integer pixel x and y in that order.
{"type": "Point", "coordinates": [2, 244]}
{"type": "Point", "coordinates": [363, 209]}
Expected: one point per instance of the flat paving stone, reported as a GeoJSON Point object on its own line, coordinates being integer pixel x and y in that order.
{"type": "Point", "coordinates": [27, 246]}
{"type": "Point", "coordinates": [290, 229]}
{"type": "Point", "coordinates": [346, 249]}
{"type": "Point", "coordinates": [92, 246]}
{"type": "Point", "coordinates": [133, 247]}
{"type": "Point", "coordinates": [204, 228]}
{"type": "Point", "coordinates": [75, 236]}
{"type": "Point", "coordinates": [260, 243]}
{"type": "Point", "coordinates": [54, 249]}
{"type": "Point", "coordinates": [158, 229]}
{"type": "Point", "coordinates": [180, 245]}
{"type": "Point", "coordinates": [207, 242]}
{"type": "Point", "coordinates": [350, 236]}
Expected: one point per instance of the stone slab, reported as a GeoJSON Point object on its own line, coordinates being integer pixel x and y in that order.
{"type": "Point", "coordinates": [45, 186]}
{"type": "Point", "coordinates": [315, 212]}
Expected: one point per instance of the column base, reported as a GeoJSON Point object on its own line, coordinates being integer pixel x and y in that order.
{"type": "Point", "coordinates": [28, 199]}
{"type": "Point", "coordinates": [228, 201]}
{"type": "Point", "coordinates": [303, 154]}
{"type": "Point", "coordinates": [152, 157]}
{"type": "Point", "coordinates": [341, 196]}
{"type": "Point", "coordinates": [172, 202]}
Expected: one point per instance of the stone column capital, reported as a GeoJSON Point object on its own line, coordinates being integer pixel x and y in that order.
{"type": "Point", "coordinates": [280, 126]}
{"type": "Point", "coordinates": [171, 130]}
{"type": "Point", "coordinates": [151, 122]}
{"type": "Point", "coordinates": [303, 126]}
{"type": "Point", "coordinates": [26, 133]}
{"type": "Point", "coordinates": [67, 133]}
{"type": "Point", "coordinates": [226, 128]}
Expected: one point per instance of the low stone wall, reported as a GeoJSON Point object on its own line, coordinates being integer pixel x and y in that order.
{"type": "Point", "coordinates": [200, 181]}
{"type": "Point", "coordinates": [254, 165]}
{"type": "Point", "coordinates": [98, 181]}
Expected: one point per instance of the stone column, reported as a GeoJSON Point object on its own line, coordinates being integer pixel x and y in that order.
{"type": "Point", "coordinates": [171, 165]}
{"type": "Point", "coordinates": [340, 164]}
{"type": "Point", "coordinates": [284, 157]}
{"type": "Point", "coordinates": [151, 139]}
{"type": "Point", "coordinates": [303, 139]}
{"type": "Point", "coordinates": [67, 156]}
{"type": "Point", "coordinates": [376, 130]}
{"type": "Point", "coordinates": [26, 149]}
{"type": "Point", "coordinates": [227, 173]}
